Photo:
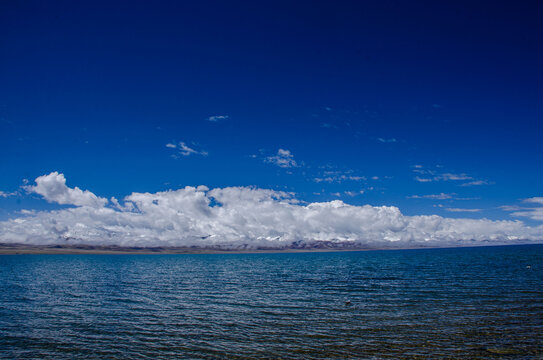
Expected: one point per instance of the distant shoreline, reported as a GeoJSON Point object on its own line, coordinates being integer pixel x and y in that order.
{"type": "Point", "coordinates": [22, 249]}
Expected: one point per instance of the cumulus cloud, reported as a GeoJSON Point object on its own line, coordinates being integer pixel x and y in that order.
{"type": "Point", "coordinates": [283, 159]}
{"type": "Point", "coordinates": [240, 217]}
{"type": "Point", "coordinates": [185, 150]}
{"type": "Point", "coordinates": [53, 189]}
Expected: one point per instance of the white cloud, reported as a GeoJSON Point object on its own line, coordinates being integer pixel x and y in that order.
{"type": "Point", "coordinates": [433, 175]}
{"type": "Point", "coordinates": [534, 214]}
{"type": "Point", "coordinates": [354, 193]}
{"type": "Point", "coordinates": [241, 217]}
{"type": "Point", "coordinates": [476, 183]}
{"type": "Point", "coordinates": [419, 179]}
{"type": "Point", "coordinates": [529, 212]}
{"type": "Point", "coordinates": [339, 178]}
{"type": "Point", "coordinates": [462, 210]}
{"type": "Point", "coordinates": [454, 177]}
{"type": "Point", "coordinates": [391, 140]}
{"type": "Point", "coordinates": [185, 150]}
{"type": "Point", "coordinates": [537, 200]}
{"type": "Point", "coordinates": [511, 208]}
{"type": "Point", "coordinates": [4, 194]}
{"type": "Point", "coordinates": [283, 159]}
{"type": "Point", "coordinates": [216, 118]}
{"type": "Point", "coordinates": [441, 196]}
{"type": "Point", "coordinates": [331, 176]}
{"type": "Point", "coordinates": [53, 189]}
{"type": "Point", "coordinates": [441, 177]}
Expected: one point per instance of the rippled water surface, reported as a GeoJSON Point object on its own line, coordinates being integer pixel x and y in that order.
{"type": "Point", "coordinates": [442, 303]}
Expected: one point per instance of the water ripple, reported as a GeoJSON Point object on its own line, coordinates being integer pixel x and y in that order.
{"type": "Point", "coordinates": [448, 303]}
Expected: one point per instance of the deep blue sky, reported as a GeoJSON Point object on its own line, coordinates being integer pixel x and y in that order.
{"type": "Point", "coordinates": [449, 92]}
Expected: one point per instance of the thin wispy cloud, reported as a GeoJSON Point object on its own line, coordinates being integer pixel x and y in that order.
{"type": "Point", "coordinates": [4, 194]}
{"type": "Point", "coordinates": [185, 150]}
{"type": "Point", "coordinates": [453, 177]}
{"type": "Point", "coordinates": [534, 213]}
{"type": "Point", "coordinates": [534, 200]}
{"type": "Point", "coordinates": [462, 210]}
{"type": "Point", "coordinates": [383, 140]}
{"type": "Point", "coordinates": [511, 208]}
{"type": "Point", "coordinates": [444, 177]}
{"type": "Point", "coordinates": [423, 180]}
{"type": "Point", "coordinates": [339, 178]}
{"type": "Point", "coordinates": [476, 183]}
{"type": "Point", "coordinates": [217, 118]}
{"type": "Point", "coordinates": [429, 175]}
{"type": "Point", "coordinates": [441, 196]}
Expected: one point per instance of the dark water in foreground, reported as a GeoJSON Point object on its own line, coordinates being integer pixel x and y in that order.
{"type": "Point", "coordinates": [443, 303]}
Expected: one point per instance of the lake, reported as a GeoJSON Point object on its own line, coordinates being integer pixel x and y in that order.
{"type": "Point", "coordinates": [484, 302]}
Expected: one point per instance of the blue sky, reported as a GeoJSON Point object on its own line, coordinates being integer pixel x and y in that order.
{"type": "Point", "coordinates": [431, 107]}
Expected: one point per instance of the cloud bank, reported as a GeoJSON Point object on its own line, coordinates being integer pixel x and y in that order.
{"type": "Point", "coordinates": [239, 217]}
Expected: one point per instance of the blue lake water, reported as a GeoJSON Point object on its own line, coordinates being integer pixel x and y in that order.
{"type": "Point", "coordinates": [440, 303]}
